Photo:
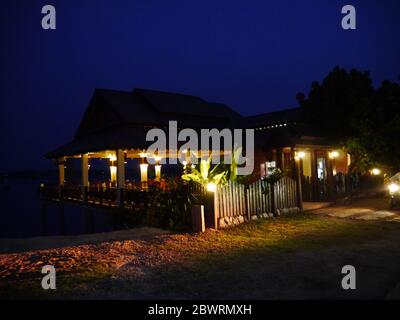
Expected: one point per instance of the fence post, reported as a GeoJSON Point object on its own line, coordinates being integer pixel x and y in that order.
{"type": "Point", "coordinates": [299, 190]}
{"type": "Point", "coordinates": [246, 203]}
{"type": "Point", "coordinates": [273, 203]}
{"type": "Point", "coordinates": [210, 216]}
{"type": "Point", "coordinates": [216, 208]}
{"type": "Point", "coordinates": [198, 224]}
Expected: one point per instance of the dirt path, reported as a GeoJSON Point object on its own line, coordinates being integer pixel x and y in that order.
{"type": "Point", "coordinates": [365, 209]}
{"type": "Point", "coordinates": [56, 242]}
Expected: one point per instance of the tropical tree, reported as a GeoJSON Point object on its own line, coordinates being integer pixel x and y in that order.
{"type": "Point", "coordinates": [210, 177]}
{"type": "Point", "coordinates": [338, 104]}
{"type": "Point", "coordinates": [366, 121]}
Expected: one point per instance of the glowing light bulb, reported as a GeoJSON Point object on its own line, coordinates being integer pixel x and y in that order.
{"type": "Point", "coordinates": [211, 187]}
{"type": "Point", "coordinates": [376, 171]}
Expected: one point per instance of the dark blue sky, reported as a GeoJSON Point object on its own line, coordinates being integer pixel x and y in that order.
{"type": "Point", "coordinates": [253, 55]}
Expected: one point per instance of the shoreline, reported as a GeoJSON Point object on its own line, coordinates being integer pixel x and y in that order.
{"type": "Point", "coordinates": [19, 245]}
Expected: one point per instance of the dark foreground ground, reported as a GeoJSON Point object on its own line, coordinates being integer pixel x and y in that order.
{"type": "Point", "coordinates": [296, 257]}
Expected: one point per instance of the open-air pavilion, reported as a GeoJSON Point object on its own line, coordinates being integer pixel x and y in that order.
{"type": "Point", "coordinates": [114, 128]}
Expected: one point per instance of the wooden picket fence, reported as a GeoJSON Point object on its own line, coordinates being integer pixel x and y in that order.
{"type": "Point", "coordinates": [235, 203]}
{"type": "Point", "coordinates": [285, 193]}
{"type": "Point", "coordinates": [229, 200]}
{"type": "Point", "coordinates": [259, 198]}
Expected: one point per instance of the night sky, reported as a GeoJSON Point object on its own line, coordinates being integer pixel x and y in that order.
{"type": "Point", "coordinates": [252, 55]}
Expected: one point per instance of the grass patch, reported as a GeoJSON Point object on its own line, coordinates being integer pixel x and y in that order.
{"type": "Point", "coordinates": [172, 264]}
{"type": "Point", "coordinates": [66, 285]}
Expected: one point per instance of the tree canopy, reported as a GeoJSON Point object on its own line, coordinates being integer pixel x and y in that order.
{"type": "Point", "coordinates": [363, 119]}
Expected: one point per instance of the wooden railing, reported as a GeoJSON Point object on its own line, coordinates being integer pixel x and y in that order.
{"type": "Point", "coordinates": [53, 192]}
{"type": "Point", "coordinates": [343, 185]}
{"type": "Point", "coordinates": [136, 199]}
{"type": "Point", "coordinates": [231, 204]}
{"type": "Point", "coordinates": [107, 196]}
{"type": "Point", "coordinates": [72, 193]}
{"type": "Point", "coordinates": [101, 196]}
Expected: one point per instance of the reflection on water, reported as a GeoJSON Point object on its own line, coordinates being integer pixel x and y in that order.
{"type": "Point", "coordinates": [22, 214]}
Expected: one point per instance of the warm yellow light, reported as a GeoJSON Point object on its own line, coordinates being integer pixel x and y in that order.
{"type": "Point", "coordinates": [157, 158]}
{"type": "Point", "coordinates": [348, 159]}
{"type": "Point", "coordinates": [158, 172]}
{"type": "Point", "coordinates": [334, 154]}
{"type": "Point", "coordinates": [143, 172]}
{"type": "Point", "coordinates": [376, 171]}
{"type": "Point", "coordinates": [113, 173]}
{"type": "Point", "coordinates": [393, 188]}
{"type": "Point", "coordinates": [184, 163]}
{"type": "Point", "coordinates": [112, 157]}
{"type": "Point", "coordinates": [143, 155]}
{"type": "Point", "coordinates": [211, 187]}
{"type": "Point", "coordinates": [184, 151]}
{"type": "Point", "coordinates": [300, 155]}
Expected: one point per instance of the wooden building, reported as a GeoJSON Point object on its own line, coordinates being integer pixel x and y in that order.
{"type": "Point", "coordinates": [115, 124]}
{"type": "Point", "coordinates": [284, 140]}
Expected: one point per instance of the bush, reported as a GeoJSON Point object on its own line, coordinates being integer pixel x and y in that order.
{"type": "Point", "coordinates": [170, 208]}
